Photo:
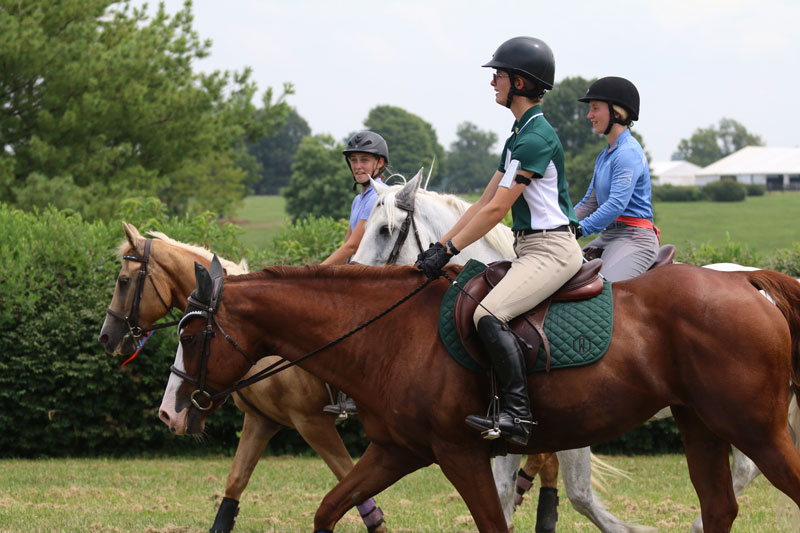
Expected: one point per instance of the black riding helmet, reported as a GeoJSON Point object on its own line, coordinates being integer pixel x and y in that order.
{"type": "Point", "coordinates": [615, 91]}
{"type": "Point", "coordinates": [529, 57]}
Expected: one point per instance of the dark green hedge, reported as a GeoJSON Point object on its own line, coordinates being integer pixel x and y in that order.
{"type": "Point", "coordinates": [62, 394]}
{"type": "Point", "coordinates": [725, 191]}
{"type": "Point", "coordinates": [676, 193]}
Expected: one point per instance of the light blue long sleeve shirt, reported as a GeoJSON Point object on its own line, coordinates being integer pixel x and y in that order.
{"type": "Point", "coordinates": [621, 184]}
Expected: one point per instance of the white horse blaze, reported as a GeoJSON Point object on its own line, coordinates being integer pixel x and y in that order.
{"type": "Point", "coordinates": [166, 412]}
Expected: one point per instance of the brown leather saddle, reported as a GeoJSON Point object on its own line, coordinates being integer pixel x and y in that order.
{"type": "Point", "coordinates": [587, 283]}
{"type": "Point", "coordinates": [529, 326]}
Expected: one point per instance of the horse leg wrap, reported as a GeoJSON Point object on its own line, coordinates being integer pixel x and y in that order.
{"type": "Point", "coordinates": [226, 516]}
{"type": "Point", "coordinates": [547, 511]}
{"type": "Point", "coordinates": [524, 482]}
{"type": "Point", "coordinates": [371, 514]}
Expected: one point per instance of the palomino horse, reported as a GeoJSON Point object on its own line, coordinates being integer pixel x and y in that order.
{"type": "Point", "coordinates": [403, 211]}
{"type": "Point", "coordinates": [705, 343]}
{"type": "Point", "coordinates": [293, 399]}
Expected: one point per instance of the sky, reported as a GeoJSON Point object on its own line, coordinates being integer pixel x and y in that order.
{"type": "Point", "coordinates": [694, 62]}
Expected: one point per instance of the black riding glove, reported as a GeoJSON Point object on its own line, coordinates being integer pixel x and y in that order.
{"type": "Point", "coordinates": [427, 253]}
{"type": "Point", "coordinates": [432, 260]}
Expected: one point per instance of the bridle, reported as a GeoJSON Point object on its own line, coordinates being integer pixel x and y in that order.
{"type": "Point", "coordinates": [208, 312]}
{"type": "Point", "coordinates": [408, 223]}
{"type": "Point", "coordinates": [132, 319]}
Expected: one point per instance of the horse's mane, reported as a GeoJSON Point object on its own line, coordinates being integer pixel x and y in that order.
{"type": "Point", "coordinates": [497, 238]}
{"type": "Point", "coordinates": [340, 272]}
{"type": "Point", "coordinates": [230, 267]}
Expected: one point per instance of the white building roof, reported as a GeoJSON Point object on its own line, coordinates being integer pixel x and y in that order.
{"type": "Point", "coordinates": [756, 160]}
{"type": "Point", "coordinates": [664, 169]}
{"type": "Point", "coordinates": [673, 172]}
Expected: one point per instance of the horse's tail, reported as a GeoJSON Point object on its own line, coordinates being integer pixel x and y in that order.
{"type": "Point", "coordinates": [602, 470]}
{"type": "Point", "coordinates": [785, 292]}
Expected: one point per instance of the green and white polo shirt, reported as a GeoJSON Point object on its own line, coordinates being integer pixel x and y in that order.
{"type": "Point", "coordinates": [535, 147]}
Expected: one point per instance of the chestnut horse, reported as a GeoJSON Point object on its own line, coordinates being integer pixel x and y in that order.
{"type": "Point", "coordinates": [293, 399]}
{"type": "Point", "coordinates": [705, 343]}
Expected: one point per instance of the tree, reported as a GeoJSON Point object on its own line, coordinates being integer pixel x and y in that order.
{"type": "Point", "coordinates": [707, 145]}
{"type": "Point", "coordinates": [568, 116]}
{"type": "Point", "coordinates": [470, 161]}
{"type": "Point", "coordinates": [103, 99]}
{"type": "Point", "coordinates": [412, 141]}
{"type": "Point", "coordinates": [276, 152]}
{"type": "Point", "coordinates": [321, 184]}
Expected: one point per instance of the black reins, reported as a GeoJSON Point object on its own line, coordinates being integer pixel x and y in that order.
{"type": "Point", "coordinates": [209, 312]}
{"type": "Point", "coordinates": [132, 318]}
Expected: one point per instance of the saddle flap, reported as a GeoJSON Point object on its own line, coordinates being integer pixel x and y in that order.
{"type": "Point", "coordinates": [583, 285]}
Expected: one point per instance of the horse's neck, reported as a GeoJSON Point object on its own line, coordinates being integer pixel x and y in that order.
{"type": "Point", "coordinates": [292, 317]}
{"type": "Point", "coordinates": [442, 214]}
{"type": "Point", "coordinates": [177, 265]}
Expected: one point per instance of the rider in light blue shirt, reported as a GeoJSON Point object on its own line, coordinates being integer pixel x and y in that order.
{"type": "Point", "coordinates": [618, 204]}
{"type": "Point", "coordinates": [621, 184]}
{"type": "Point", "coordinates": [367, 155]}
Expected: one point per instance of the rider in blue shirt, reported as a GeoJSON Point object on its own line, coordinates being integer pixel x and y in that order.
{"type": "Point", "coordinates": [367, 155]}
{"type": "Point", "coordinates": [618, 204]}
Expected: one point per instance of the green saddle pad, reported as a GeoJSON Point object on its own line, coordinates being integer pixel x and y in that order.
{"type": "Point", "coordinates": [579, 332]}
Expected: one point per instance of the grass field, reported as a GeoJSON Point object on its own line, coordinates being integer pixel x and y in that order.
{"type": "Point", "coordinates": [181, 495]}
{"type": "Point", "coordinates": [261, 218]}
{"type": "Point", "coordinates": [763, 223]}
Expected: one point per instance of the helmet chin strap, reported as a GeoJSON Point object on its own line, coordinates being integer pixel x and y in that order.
{"type": "Point", "coordinates": [377, 174]}
{"type": "Point", "coordinates": [612, 119]}
{"type": "Point", "coordinates": [533, 94]}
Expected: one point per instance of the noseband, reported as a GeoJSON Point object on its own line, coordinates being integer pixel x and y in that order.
{"type": "Point", "coordinates": [408, 223]}
{"type": "Point", "coordinates": [208, 312]}
{"type": "Point", "coordinates": [132, 319]}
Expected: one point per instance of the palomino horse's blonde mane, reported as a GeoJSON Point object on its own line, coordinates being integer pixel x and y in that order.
{"type": "Point", "coordinates": [231, 268]}
{"type": "Point", "coordinates": [496, 238]}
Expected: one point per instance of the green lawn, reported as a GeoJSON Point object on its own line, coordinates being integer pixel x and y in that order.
{"type": "Point", "coordinates": [764, 223]}
{"type": "Point", "coordinates": [172, 495]}
{"type": "Point", "coordinates": [261, 218]}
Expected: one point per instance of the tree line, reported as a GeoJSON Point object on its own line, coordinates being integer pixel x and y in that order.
{"type": "Point", "coordinates": [102, 103]}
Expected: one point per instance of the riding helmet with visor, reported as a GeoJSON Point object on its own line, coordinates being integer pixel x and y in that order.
{"type": "Point", "coordinates": [367, 142]}
{"type": "Point", "coordinates": [530, 58]}
{"type": "Point", "coordinates": [615, 91]}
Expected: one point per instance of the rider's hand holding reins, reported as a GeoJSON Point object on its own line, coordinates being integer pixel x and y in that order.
{"type": "Point", "coordinates": [432, 260]}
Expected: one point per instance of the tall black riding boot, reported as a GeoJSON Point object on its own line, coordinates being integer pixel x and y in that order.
{"type": "Point", "coordinates": [508, 363]}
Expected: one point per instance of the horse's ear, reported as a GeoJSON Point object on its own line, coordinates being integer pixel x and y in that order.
{"type": "Point", "coordinates": [378, 186]}
{"type": "Point", "coordinates": [215, 268]}
{"type": "Point", "coordinates": [406, 197]}
{"type": "Point", "coordinates": [204, 285]}
{"type": "Point", "coordinates": [217, 281]}
{"type": "Point", "coordinates": [132, 234]}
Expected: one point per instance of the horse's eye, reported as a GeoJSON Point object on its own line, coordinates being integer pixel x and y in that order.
{"type": "Point", "coordinates": [188, 340]}
{"type": "Point", "coordinates": [384, 231]}
{"type": "Point", "coordinates": [123, 280]}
